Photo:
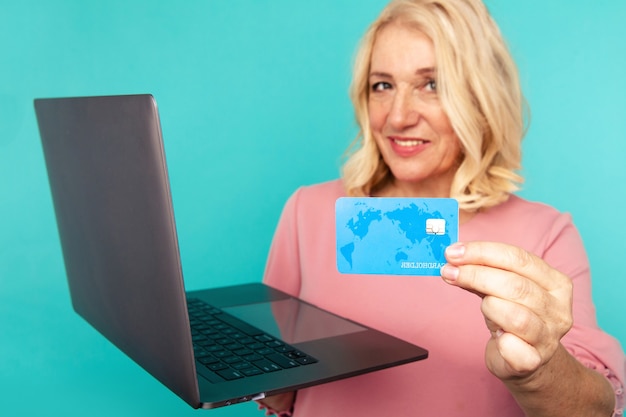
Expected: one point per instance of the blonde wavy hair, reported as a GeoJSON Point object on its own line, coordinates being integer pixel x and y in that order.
{"type": "Point", "coordinates": [479, 90]}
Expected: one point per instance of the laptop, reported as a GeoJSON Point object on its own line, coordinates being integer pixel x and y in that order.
{"type": "Point", "coordinates": [214, 347]}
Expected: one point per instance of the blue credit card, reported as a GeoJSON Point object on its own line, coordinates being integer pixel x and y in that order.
{"type": "Point", "coordinates": [394, 236]}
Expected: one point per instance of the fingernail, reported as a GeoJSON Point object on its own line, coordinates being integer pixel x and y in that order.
{"type": "Point", "coordinates": [455, 250]}
{"type": "Point", "coordinates": [449, 272]}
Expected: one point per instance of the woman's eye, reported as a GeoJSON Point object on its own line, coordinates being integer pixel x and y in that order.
{"type": "Point", "coordinates": [431, 85]}
{"type": "Point", "coordinates": [381, 86]}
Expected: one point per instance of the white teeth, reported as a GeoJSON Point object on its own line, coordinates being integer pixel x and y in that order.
{"type": "Point", "coordinates": [408, 143]}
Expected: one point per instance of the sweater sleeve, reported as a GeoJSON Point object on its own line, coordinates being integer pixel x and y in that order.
{"type": "Point", "coordinates": [585, 341]}
{"type": "Point", "coordinates": [282, 270]}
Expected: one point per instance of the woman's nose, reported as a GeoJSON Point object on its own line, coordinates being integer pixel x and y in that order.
{"type": "Point", "coordinates": [404, 111]}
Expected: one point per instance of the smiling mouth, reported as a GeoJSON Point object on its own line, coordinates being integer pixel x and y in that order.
{"type": "Point", "coordinates": [407, 143]}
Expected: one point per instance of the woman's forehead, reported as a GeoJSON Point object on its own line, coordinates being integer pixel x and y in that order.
{"type": "Point", "coordinates": [398, 47]}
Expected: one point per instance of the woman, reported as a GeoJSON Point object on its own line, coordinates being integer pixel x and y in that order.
{"type": "Point", "coordinates": [437, 98]}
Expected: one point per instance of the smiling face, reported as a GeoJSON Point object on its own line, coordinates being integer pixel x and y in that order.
{"type": "Point", "coordinates": [409, 125]}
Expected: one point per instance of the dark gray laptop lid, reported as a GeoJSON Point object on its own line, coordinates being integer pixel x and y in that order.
{"type": "Point", "coordinates": [93, 147]}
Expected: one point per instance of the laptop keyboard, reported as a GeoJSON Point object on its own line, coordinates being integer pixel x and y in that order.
{"type": "Point", "coordinates": [229, 348]}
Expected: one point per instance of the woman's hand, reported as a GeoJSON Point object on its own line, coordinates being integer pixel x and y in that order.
{"type": "Point", "coordinates": [280, 402]}
{"type": "Point", "coordinates": [527, 304]}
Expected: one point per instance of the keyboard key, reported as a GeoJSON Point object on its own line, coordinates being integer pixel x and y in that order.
{"type": "Point", "coordinates": [282, 360]}
{"type": "Point", "coordinates": [208, 360]}
{"type": "Point", "coordinates": [265, 351]}
{"type": "Point", "coordinates": [251, 371]}
{"type": "Point", "coordinates": [222, 354]}
{"type": "Point", "coordinates": [243, 352]}
{"type": "Point", "coordinates": [214, 348]}
{"type": "Point", "coordinates": [229, 374]}
{"type": "Point", "coordinates": [255, 345]}
{"type": "Point", "coordinates": [296, 354]}
{"type": "Point", "coordinates": [267, 366]}
{"type": "Point", "coordinates": [253, 357]}
{"type": "Point", "coordinates": [217, 366]}
{"type": "Point", "coordinates": [232, 359]}
{"type": "Point", "coordinates": [306, 360]}
{"type": "Point", "coordinates": [264, 338]}
{"type": "Point", "coordinates": [240, 366]}
{"type": "Point", "coordinates": [233, 346]}
{"type": "Point", "coordinates": [284, 349]}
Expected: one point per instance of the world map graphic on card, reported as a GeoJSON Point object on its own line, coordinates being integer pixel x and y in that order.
{"type": "Point", "coordinates": [394, 236]}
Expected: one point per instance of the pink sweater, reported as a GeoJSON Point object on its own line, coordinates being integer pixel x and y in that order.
{"type": "Point", "coordinates": [447, 321]}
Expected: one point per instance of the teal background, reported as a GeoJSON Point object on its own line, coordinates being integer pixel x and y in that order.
{"type": "Point", "coordinates": [253, 100]}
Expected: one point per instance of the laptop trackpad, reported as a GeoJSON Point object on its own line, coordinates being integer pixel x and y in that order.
{"type": "Point", "coordinates": [293, 321]}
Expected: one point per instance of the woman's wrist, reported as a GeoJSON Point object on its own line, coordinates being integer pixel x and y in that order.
{"type": "Point", "coordinates": [269, 411]}
{"type": "Point", "coordinates": [278, 405]}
